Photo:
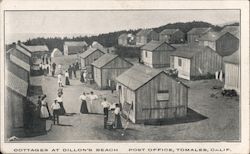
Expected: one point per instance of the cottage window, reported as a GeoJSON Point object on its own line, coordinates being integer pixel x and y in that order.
{"type": "Point", "coordinates": [128, 107]}
{"type": "Point", "coordinates": [179, 62]}
{"type": "Point", "coordinates": [146, 54]}
{"type": "Point", "coordinates": [163, 95]}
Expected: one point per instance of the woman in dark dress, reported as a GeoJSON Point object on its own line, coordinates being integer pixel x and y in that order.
{"type": "Point", "coordinates": [67, 78]}
{"type": "Point", "coordinates": [82, 78]}
{"type": "Point", "coordinates": [60, 101]}
{"type": "Point", "coordinates": [84, 108]}
{"type": "Point", "coordinates": [118, 122]}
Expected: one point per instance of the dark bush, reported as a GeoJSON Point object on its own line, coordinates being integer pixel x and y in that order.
{"type": "Point", "coordinates": [203, 77]}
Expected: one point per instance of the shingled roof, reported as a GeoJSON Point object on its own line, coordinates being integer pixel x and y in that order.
{"type": "Point", "coordinates": [89, 52]}
{"type": "Point", "coordinates": [137, 76]}
{"type": "Point", "coordinates": [19, 62]}
{"type": "Point", "coordinates": [198, 31]}
{"type": "Point", "coordinates": [75, 43]}
{"type": "Point", "coordinates": [23, 50]}
{"type": "Point", "coordinates": [233, 30]}
{"type": "Point", "coordinates": [233, 58]}
{"type": "Point", "coordinates": [188, 51]}
{"type": "Point", "coordinates": [123, 36]}
{"type": "Point", "coordinates": [152, 45]}
{"type": "Point", "coordinates": [16, 84]}
{"type": "Point", "coordinates": [144, 32]}
{"type": "Point", "coordinates": [168, 31]}
{"type": "Point", "coordinates": [35, 48]}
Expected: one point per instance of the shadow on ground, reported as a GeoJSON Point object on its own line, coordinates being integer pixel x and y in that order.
{"type": "Point", "coordinates": [192, 116]}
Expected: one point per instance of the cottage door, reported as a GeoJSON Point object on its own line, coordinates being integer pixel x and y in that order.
{"type": "Point", "coordinates": [183, 67]}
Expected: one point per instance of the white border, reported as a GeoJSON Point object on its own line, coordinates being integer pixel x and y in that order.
{"type": "Point", "coordinates": [235, 147]}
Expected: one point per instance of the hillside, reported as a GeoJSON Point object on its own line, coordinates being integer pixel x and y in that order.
{"type": "Point", "coordinates": [110, 39]}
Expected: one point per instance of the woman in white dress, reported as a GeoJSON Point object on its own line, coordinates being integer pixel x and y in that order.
{"type": "Point", "coordinates": [44, 110]}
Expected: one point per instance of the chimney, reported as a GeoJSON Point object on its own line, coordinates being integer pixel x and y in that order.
{"type": "Point", "coordinates": [18, 42]}
{"type": "Point", "coordinates": [13, 45]}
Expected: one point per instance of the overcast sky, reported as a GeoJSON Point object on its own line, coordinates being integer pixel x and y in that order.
{"type": "Point", "coordinates": [95, 22]}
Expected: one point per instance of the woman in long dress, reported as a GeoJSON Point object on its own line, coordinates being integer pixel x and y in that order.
{"type": "Point", "coordinates": [81, 74]}
{"type": "Point", "coordinates": [60, 101]}
{"type": "Point", "coordinates": [44, 110]}
{"type": "Point", "coordinates": [118, 122]}
{"type": "Point", "coordinates": [67, 78]}
{"type": "Point", "coordinates": [84, 108]}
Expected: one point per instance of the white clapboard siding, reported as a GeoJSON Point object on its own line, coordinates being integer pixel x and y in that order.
{"type": "Point", "coordinates": [184, 69]}
{"type": "Point", "coordinates": [232, 77]}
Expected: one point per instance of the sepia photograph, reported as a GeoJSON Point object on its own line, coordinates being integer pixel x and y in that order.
{"type": "Point", "coordinates": [121, 76]}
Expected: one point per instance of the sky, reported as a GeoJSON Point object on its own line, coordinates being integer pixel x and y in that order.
{"type": "Point", "coordinates": [59, 23]}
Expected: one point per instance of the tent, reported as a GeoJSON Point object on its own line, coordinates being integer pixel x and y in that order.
{"type": "Point", "coordinates": [56, 53]}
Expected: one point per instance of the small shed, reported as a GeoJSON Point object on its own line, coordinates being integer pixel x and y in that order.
{"type": "Point", "coordinates": [146, 35]}
{"type": "Point", "coordinates": [232, 72]}
{"type": "Point", "coordinates": [194, 61]}
{"type": "Point", "coordinates": [74, 47]}
{"type": "Point", "coordinates": [156, 54]}
{"type": "Point", "coordinates": [223, 43]}
{"type": "Point", "coordinates": [172, 36]}
{"type": "Point", "coordinates": [107, 68]}
{"type": "Point", "coordinates": [195, 33]}
{"type": "Point", "coordinates": [148, 94]}
{"type": "Point", "coordinates": [89, 56]}
{"type": "Point", "coordinates": [16, 92]}
{"type": "Point", "coordinates": [56, 53]}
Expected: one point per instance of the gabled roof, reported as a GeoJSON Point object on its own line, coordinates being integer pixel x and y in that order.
{"type": "Point", "coordinates": [89, 52]}
{"type": "Point", "coordinates": [19, 62]}
{"type": "Point", "coordinates": [137, 76]}
{"type": "Point", "coordinates": [35, 48]}
{"type": "Point", "coordinates": [212, 36]}
{"type": "Point", "coordinates": [152, 45]}
{"type": "Point", "coordinates": [169, 31]}
{"type": "Point", "coordinates": [16, 84]}
{"type": "Point", "coordinates": [123, 36]}
{"type": "Point", "coordinates": [188, 51]}
{"type": "Point", "coordinates": [233, 58]}
{"type": "Point", "coordinates": [75, 43]}
{"type": "Point", "coordinates": [99, 46]}
{"type": "Point", "coordinates": [103, 60]}
{"type": "Point", "coordinates": [23, 50]}
{"type": "Point", "coordinates": [56, 53]}
{"type": "Point", "coordinates": [198, 31]}
{"type": "Point", "coordinates": [232, 29]}
{"type": "Point", "coordinates": [144, 32]}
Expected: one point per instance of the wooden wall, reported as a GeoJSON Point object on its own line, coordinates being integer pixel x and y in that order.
{"type": "Point", "coordinates": [112, 70]}
{"type": "Point", "coordinates": [97, 76]}
{"type": "Point", "coordinates": [92, 57]}
{"type": "Point", "coordinates": [147, 106]}
{"type": "Point", "coordinates": [14, 112]}
{"type": "Point", "coordinates": [207, 61]}
{"type": "Point", "coordinates": [18, 71]}
{"type": "Point", "coordinates": [161, 56]}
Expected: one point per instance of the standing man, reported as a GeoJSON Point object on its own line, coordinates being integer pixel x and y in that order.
{"type": "Point", "coordinates": [53, 69]}
{"type": "Point", "coordinates": [74, 70]}
{"type": "Point", "coordinates": [59, 80]}
{"type": "Point", "coordinates": [106, 106]}
{"type": "Point", "coordinates": [56, 111]}
{"type": "Point", "coordinates": [70, 71]}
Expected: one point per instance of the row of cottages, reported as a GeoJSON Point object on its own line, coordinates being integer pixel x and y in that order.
{"type": "Point", "coordinates": [223, 43]}
{"type": "Point", "coordinates": [107, 68]}
{"type": "Point", "coordinates": [193, 61]}
{"type": "Point", "coordinates": [74, 47]}
{"type": "Point", "coordinates": [148, 94]}
{"type": "Point", "coordinates": [172, 36]}
{"type": "Point", "coordinates": [195, 33]}
{"type": "Point", "coordinates": [126, 39]}
{"type": "Point", "coordinates": [156, 54]}
{"type": "Point", "coordinates": [232, 71]}
{"type": "Point", "coordinates": [17, 79]}
{"type": "Point", "coordinates": [146, 35]}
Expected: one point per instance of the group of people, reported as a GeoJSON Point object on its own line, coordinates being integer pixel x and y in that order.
{"type": "Point", "coordinates": [56, 107]}
{"type": "Point", "coordinates": [106, 108]}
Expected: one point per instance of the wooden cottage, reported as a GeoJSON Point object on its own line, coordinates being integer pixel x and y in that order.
{"type": "Point", "coordinates": [156, 54]}
{"type": "Point", "coordinates": [107, 68]}
{"type": "Point", "coordinates": [148, 94]}
{"type": "Point", "coordinates": [195, 33]}
{"type": "Point", "coordinates": [74, 47]}
{"type": "Point", "coordinates": [235, 30]}
{"type": "Point", "coordinates": [146, 35]}
{"type": "Point", "coordinates": [56, 53]}
{"type": "Point", "coordinates": [223, 43]}
{"type": "Point", "coordinates": [89, 56]}
{"type": "Point", "coordinates": [123, 39]}
{"type": "Point", "coordinates": [232, 72]}
{"type": "Point", "coordinates": [195, 61]}
{"type": "Point", "coordinates": [15, 97]}
{"type": "Point", "coordinates": [172, 36]}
